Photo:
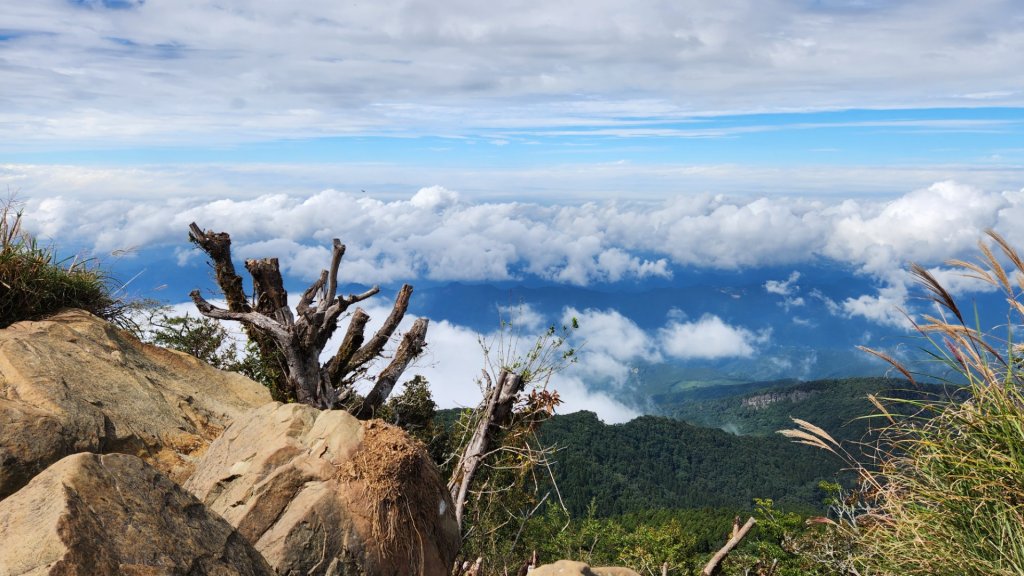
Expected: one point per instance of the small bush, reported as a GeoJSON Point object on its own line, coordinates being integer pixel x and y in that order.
{"type": "Point", "coordinates": [35, 283]}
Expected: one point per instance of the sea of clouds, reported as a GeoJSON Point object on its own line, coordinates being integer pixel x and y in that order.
{"type": "Point", "coordinates": [438, 235]}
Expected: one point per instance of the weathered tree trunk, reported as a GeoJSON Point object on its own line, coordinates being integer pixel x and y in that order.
{"type": "Point", "coordinates": [217, 246]}
{"type": "Point", "coordinates": [294, 341]}
{"type": "Point", "coordinates": [494, 413]}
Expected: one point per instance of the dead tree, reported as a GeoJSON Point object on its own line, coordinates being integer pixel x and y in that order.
{"type": "Point", "coordinates": [497, 414]}
{"type": "Point", "coordinates": [295, 340]}
{"type": "Point", "coordinates": [493, 415]}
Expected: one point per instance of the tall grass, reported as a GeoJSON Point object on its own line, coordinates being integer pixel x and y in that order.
{"type": "Point", "coordinates": [34, 282]}
{"type": "Point", "coordinates": [944, 492]}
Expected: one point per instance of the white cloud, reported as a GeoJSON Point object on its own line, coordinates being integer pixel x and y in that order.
{"type": "Point", "coordinates": [396, 179]}
{"type": "Point", "coordinates": [785, 287]}
{"type": "Point", "coordinates": [610, 333]}
{"type": "Point", "coordinates": [610, 345]}
{"type": "Point", "coordinates": [434, 197]}
{"type": "Point", "coordinates": [454, 358]}
{"type": "Point", "coordinates": [576, 396]}
{"type": "Point", "coordinates": [710, 338]}
{"type": "Point", "coordinates": [793, 302]}
{"type": "Point", "coordinates": [435, 235]}
{"type": "Point", "coordinates": [946, 217]}
{"type": "Point", "coordinates": [805, 322]}
{"type": "Point", "coordinates": [522, 317]}
{"type": "Point", "coordinates": [888, 306]}
{"type": "Point", "coordinates": [833, 307]}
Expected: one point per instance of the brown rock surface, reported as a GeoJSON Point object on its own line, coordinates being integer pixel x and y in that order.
{"type": "Point", "coordinates": [571, 568]}
{"type": "Point", "coordinates": [114, 514]}
{"type": "Point", "coordinates": [74, 383]}
{"type": "Point", "coordinates": [322, 493]}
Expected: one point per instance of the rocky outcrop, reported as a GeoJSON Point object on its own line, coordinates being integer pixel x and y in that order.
{"type": "Point", "coordinates": [762, 401]}
{"type": "Point", "coordinates": [321, 493]}
{"type": "Point", "coordinates": [571, 568]}
{"type": "Point", "coordinates": [74, 383]}
{"type": "Point", "coordinates": [114, 514]}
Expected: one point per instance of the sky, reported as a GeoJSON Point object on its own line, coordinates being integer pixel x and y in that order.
{"type": "Point", "coordinates": [580, 142]}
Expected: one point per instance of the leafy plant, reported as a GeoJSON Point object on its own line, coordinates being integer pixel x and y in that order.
{"type": "Point", "coordinates": [203, 338]}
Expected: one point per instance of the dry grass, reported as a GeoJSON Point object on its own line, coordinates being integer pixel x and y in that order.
{"type": "Point", "coordinates": [400, 487]}
{"type": "Point", "coordinates": [944, 493]}
{"type": "Point", "coordinates": [35, 283]}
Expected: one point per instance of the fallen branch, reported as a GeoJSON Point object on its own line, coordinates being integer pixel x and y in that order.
{"type": "Point", "coordinates": [737, 535]}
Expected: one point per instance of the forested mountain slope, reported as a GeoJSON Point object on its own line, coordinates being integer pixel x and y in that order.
{"type": "Point", "coordinates": [655, 462]}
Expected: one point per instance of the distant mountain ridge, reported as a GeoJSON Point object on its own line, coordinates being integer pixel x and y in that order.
{"type": "Point", "coordinates": [840, 406]}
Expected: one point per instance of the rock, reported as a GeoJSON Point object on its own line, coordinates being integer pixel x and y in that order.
{"type": "Point", "coordinates": [114, 514]}
{"type": "Point", "coordinates": [74, 383]}
{"type": "Point", "coordinates": [321, 493]}
{"type": "Point", "coordinates": [613, 571]}
{"type": "Point", "coordinates": [571, 568]}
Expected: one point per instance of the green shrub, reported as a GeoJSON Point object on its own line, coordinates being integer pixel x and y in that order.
{"type": "Point", "coordinates": [34, 282]}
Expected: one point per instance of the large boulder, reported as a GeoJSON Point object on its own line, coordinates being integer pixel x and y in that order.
{"type": "Point", "coordinates": [74, 383]}
{"type": "Point", "coordinates": [571, 568]}
{"type": "Point", "coordinates": [321, 493]}
{"type": "Point", "coordinates": [114, 514]}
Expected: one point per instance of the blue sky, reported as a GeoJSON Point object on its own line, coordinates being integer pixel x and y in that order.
{"type": "Point", "coordinates": [580, 142]}
{"type": "Point", "coordinates": [984, 136]}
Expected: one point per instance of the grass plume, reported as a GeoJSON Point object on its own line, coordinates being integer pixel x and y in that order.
{"type": "Point", "coordinates": [943, 492]}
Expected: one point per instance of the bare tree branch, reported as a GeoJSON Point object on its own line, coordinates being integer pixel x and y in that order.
{"type": "Point", "coordinates": [337, 252]}
{"type": "Point", "coordinates": [353, 340]}
{"type": "Point", "coordinates": [354, 298]}
{"type": "Point", "coordinates": [293, 343]}
{"type": "Point", "coordinates": [268, 289]}
{"type": "Point", "coordinates": [310, 294]}
{"type": "Point", "coordinates": [412, 346]}
{"type": "Point", "coordinates": [372, 348]}
{"type": "Point", "coordinates": [738, 534]}
{"type": "Point", "coordinates": [217, 246]}
{"type": "Point", "coordinates": [330, 316]}
{"type": "Point", "coordinates": [255, 318]}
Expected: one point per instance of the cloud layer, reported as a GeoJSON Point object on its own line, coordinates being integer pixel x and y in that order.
{"type": "Point", "coordinates": [158, 70]}
{"type": "Point", "coordinates": [436, 235]}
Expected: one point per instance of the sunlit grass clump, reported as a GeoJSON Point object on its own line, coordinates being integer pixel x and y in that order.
{"type": "Point", "coordinates": [35, 283]}
{"type": "Point", "coordinates": [944, 492]}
